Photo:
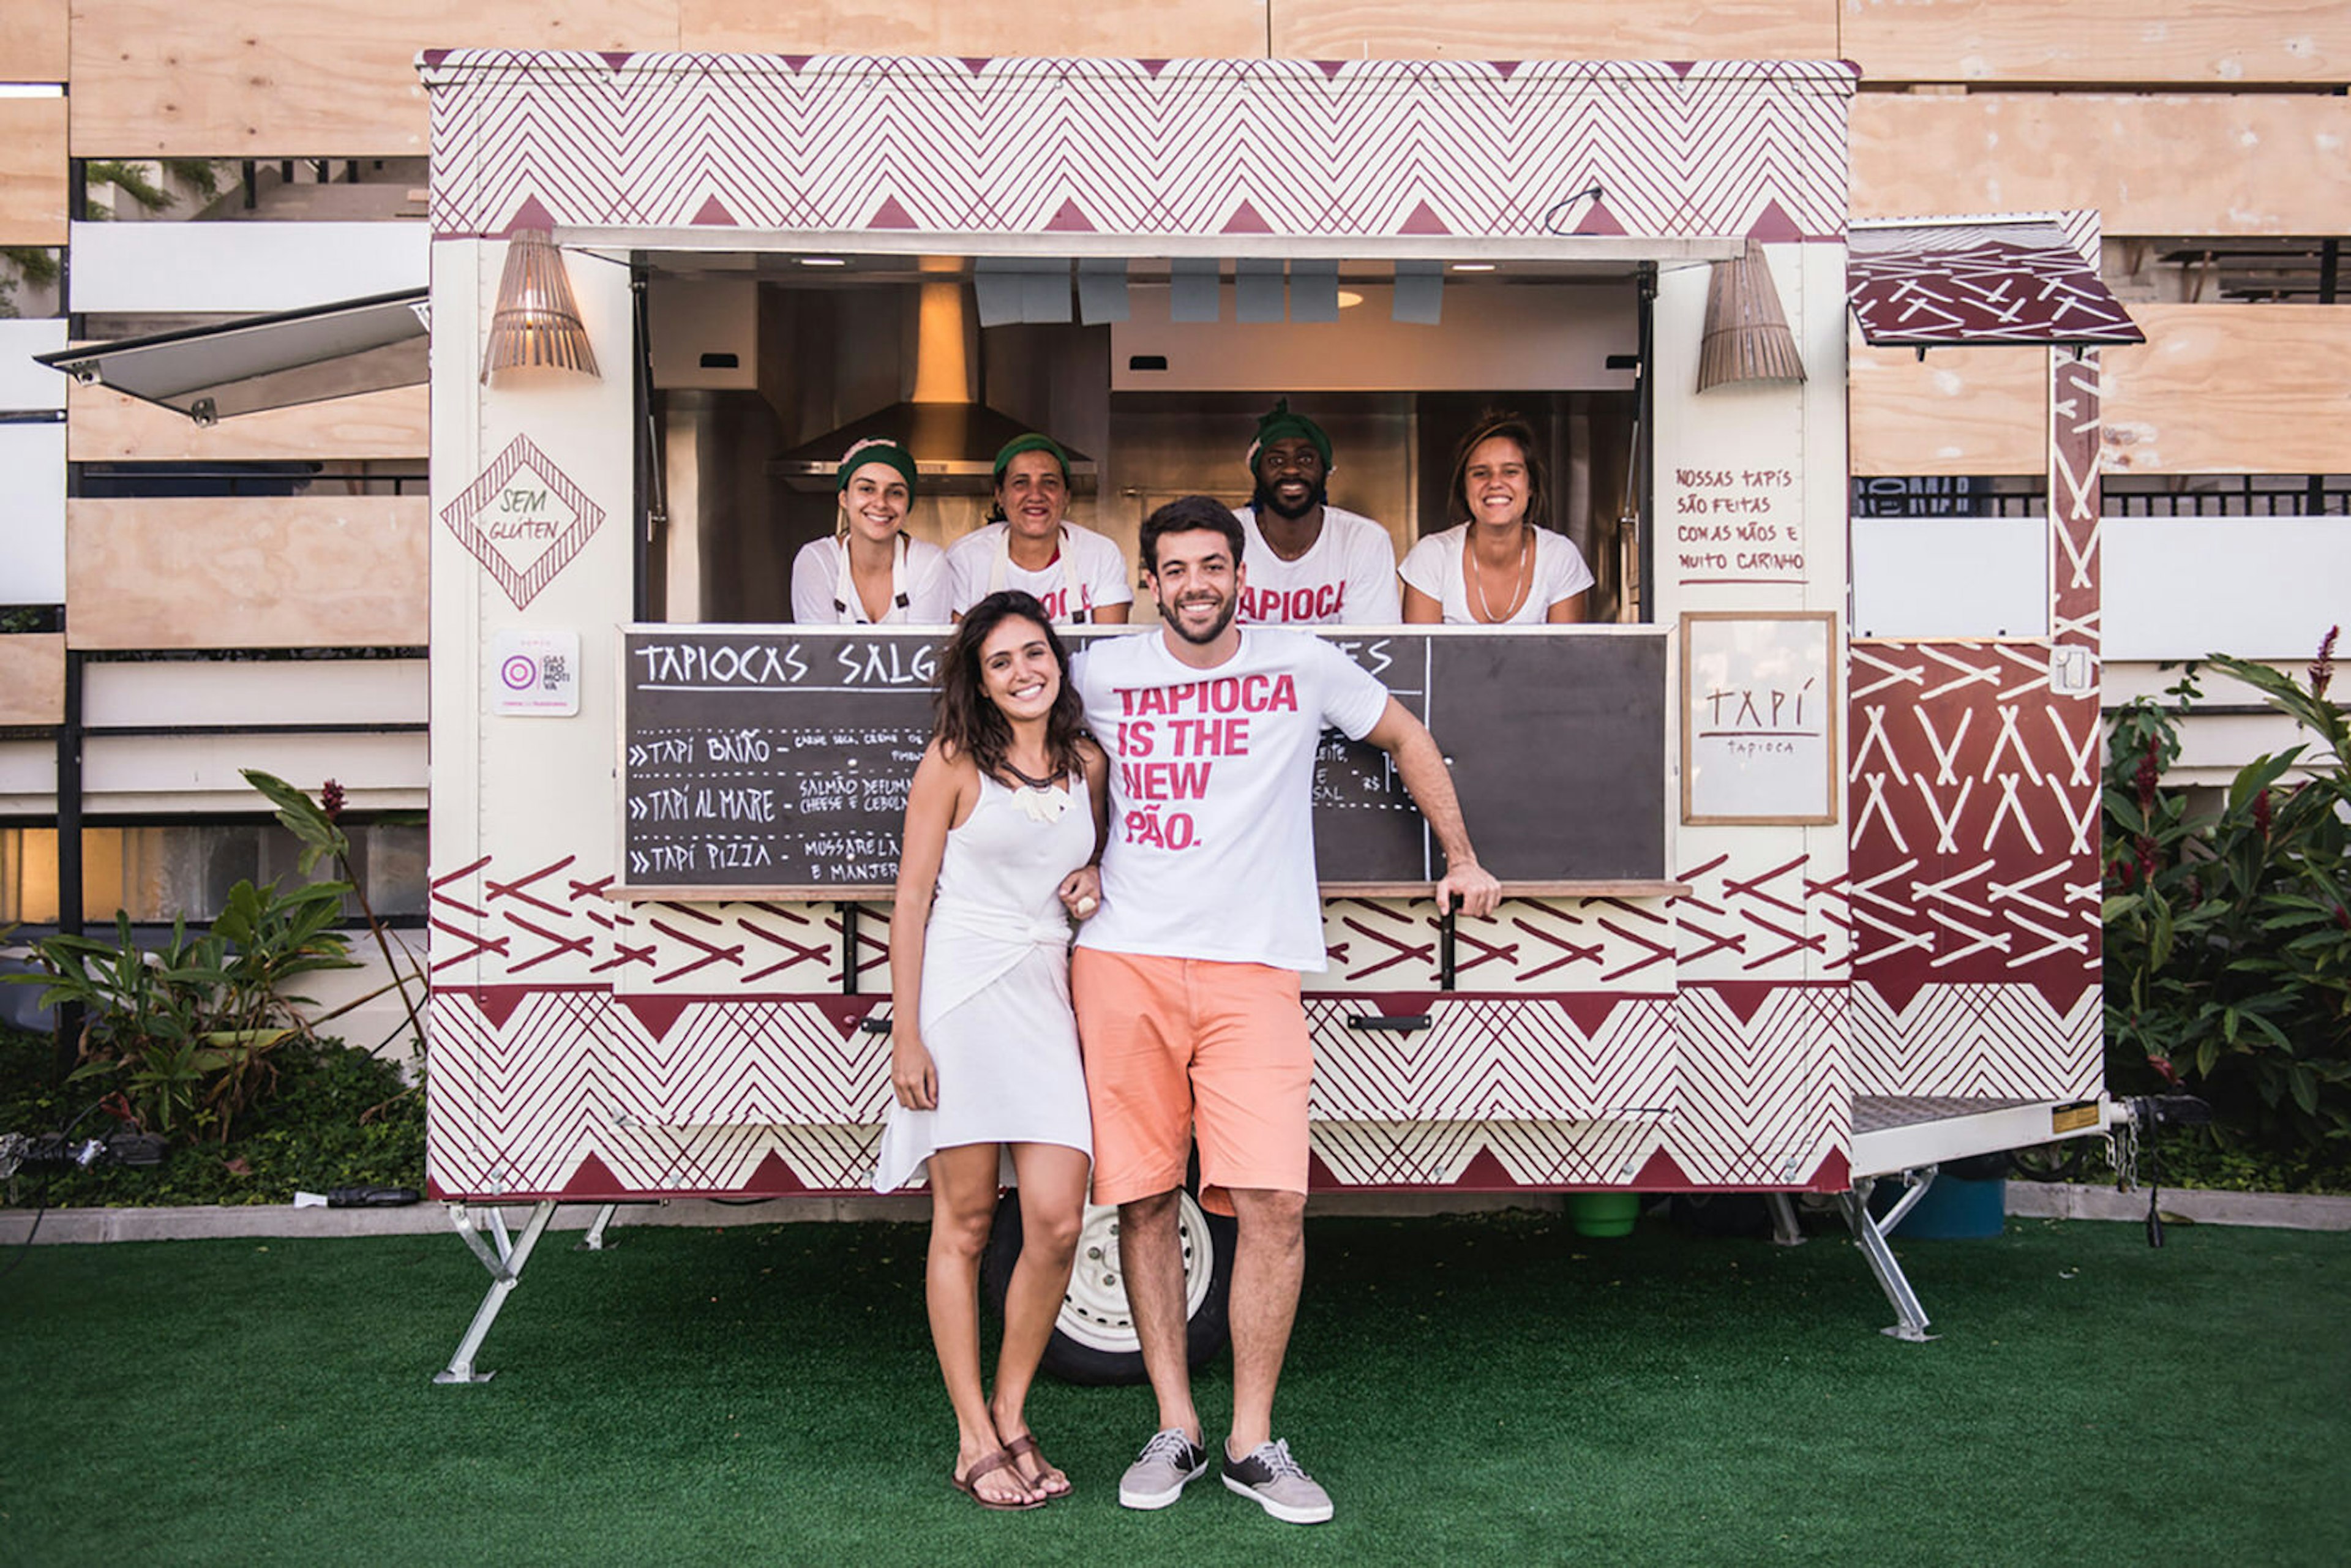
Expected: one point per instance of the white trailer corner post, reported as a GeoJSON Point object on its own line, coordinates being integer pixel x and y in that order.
{"type": "Point", "coordinates": [1870, 908]}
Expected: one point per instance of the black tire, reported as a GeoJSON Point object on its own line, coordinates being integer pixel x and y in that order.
{"type": "Point", "coordinates": [2063, 1161]}
{"type": "Point", "coordinates": [1093, 1343]}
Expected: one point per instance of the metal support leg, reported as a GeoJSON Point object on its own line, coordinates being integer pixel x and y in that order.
{"type": "Point", "coordinates": [1785, 1231]}
{"type": "Point", "coordinates": [594, 1240]}
{"type": "Point", "coordinates": [506, 1266]}
{"type": "Point", "coordinates": [1868, 1234]}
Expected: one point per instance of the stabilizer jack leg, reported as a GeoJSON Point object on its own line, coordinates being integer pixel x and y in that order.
{"type": "Point", "coordinates": [1869, 1235]}
{"type": "Point", "coordinates": [594, 1240]}
{"type": "Point", "coordinates": [505, 1257]}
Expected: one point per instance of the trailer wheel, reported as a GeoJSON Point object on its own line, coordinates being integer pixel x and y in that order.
{"type": "Point", "coordinates": [2063, 1161]}
{"type": "Point", "coordinates": [1093, 1339]}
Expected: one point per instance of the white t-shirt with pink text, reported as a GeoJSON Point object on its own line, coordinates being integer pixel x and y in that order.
{"type": "Point", "coordinates": [1211, 850]}
{"type": "Point", "coordinates": [1348, 574]}
{"type": "Point", "coordinates": [1087, 572]}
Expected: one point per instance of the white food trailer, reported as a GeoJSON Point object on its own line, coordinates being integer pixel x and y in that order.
{"type": "Point", "coordinates": [1857, 933]}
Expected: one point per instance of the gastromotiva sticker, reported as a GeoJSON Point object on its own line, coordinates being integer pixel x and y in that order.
{"type": "Point", "coordinates": [523, 520]}
{"type": "Point", "coordinates": [535, 674]}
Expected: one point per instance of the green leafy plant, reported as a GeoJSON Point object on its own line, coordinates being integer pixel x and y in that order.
{"type": "Point", "coordinates": [2228, 934]}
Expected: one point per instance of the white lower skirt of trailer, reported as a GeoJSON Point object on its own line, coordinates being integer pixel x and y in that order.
{"type": "Point", "coordinates": [1895, 1133]}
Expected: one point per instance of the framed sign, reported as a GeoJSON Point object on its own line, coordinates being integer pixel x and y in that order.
{"type": "Point", "coordinates": [1759, 717]}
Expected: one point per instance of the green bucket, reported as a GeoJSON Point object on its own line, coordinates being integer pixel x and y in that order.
{"type": "Point", "coordinates": [1603, 1213]}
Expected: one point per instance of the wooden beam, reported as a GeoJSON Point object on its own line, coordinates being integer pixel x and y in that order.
{"type": "Point", "coordinates": [2230, 389]}
{"type": "Point", "coordinates": [1141, 29]}
{"type": "Point", "coordinates": [32, 170]}
{"type": "Point", "coordinates": [1959, 411]}
{"type": "Point", "coordinates": [2197, 43]}
{"type": "Point", "coordinates": [32, 35]}
{"type": "Point", "coordinates": [246, 572]}
{"type": "Point", "coordinates": [33, 678]}
{"type": "Point", "coordinates": [1553, 29]}
{"type": "Point", "coordinates": [2251, 163]}
{"type": "Point", "coordinates": [285, 77]}
{"type": "Point", "coordinates": [105, 426]}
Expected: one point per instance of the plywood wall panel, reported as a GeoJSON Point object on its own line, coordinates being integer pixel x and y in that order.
{"type": "Point", "coordinates": [33, 678]}
{"type": "Point", "coordinates": [233, 572]}
{"type": "Point", "coordinates": [2230, 389]}
{"type": "Point", "coordinates": [1136, 29]}
{"type": "Point", "coordinates": [32, 170]}
{"type": "Point", "coordinates": [290, 78]}
{"type": "Point", "coordinates": [2195, 43]}
{"type": "Point", "coordinates": [105, 426]}
{"type": "Point", "coordinates": [32, 35]}
{"type": "Point", "coordinates": [2213, 164]}
{"type": "Point", "coordinates": [1959, 411]}
{"type": "Point", "coordinates": [1553, 29]}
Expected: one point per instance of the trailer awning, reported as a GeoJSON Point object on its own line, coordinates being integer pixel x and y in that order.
{"type": "Point", "coordinates": [266, 361]}
{"type": "Point", "coordinates": [1989, 281]}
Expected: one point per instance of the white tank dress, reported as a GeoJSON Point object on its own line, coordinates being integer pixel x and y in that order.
{"type": "Point", "coordinates": [995, 1007]}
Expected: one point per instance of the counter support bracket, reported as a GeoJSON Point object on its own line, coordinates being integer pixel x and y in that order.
{"type": "Point", "coordinates": [1869, 1235]}
{"type": "Point", "coordinates": [505, 1256]}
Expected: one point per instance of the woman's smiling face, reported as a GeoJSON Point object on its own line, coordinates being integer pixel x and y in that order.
{"type": "Point", "coordinates": [1494, 482]}
{"type": "Point", "coordinates": [1033, 494]}
{"type": "Point", "coordinates": [1017, 671]}
{"type": "Point", "coordinates": [875, 501]}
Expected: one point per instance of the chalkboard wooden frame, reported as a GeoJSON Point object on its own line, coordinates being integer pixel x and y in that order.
{"type": "Point", "coordinates": [1604, 812]}
{"type": "Point", "coordinates": [1831, 711]}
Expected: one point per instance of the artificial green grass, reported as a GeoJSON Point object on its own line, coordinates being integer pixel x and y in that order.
{"type": "Point", "coordinates": [1471, 1390]}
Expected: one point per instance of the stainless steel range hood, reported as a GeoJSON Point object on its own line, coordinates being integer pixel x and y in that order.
{"type": "Point", "coordinates": [953, 435]}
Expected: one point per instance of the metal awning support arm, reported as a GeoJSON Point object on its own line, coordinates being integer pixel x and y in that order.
{"type": "Point", "coordinates": [1869, 1235]}
{"type": "Point", "coordinates": [505, 1257]}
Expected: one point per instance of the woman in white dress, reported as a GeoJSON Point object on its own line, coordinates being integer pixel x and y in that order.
{"type": "Point", "coordinates": [870, 571]}
{"type": "Point", "coordinates": [1004, 824]}
{"type": "Point", "coordinates": [1501, 563]}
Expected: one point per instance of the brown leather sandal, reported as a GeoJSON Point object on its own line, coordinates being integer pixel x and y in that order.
{"type": "Point", "coordinates": [1026, 1444]}
{"type": "Point", "coordinates": [967, 1483]}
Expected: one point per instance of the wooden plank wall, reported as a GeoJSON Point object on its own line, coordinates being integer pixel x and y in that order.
{"type": "Point", "coordinates": [32, 35]}
{"type": "Point", "coordinates": [32, 170]}
{"type": "Point", "coordinates": [105, 426]}
{"type": "Point", "coordinates": [246, 572]}
{"type": "Point", "coordinates": [1553, 29]}
{"type": "Point", "coordinates": [1134, 29]}
{"type": "Point", "coordinates": [2184, 43]}
{"type": "Point", "coordinates": [33, 678]}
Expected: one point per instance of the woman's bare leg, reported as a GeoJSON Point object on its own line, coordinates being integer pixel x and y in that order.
{"type": "Point", "coordinates": [1052, 1208]}
{"type": "Point", "coordinates": [963, 1206]}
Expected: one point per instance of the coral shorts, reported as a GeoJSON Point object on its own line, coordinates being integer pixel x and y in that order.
{"type": "Point", "coordinates": [1178, 1045]}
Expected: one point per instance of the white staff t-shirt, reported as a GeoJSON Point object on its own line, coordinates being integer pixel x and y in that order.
{"type": "Point", "coordinates": [1087, 572]}
{"type": "Point", "coordinates": [1348, 574]}
{"type": "Point", "coordinates": [823, 594]}
{"type": "Point", "coordinates": [1211, 848]}
{"type": "Point", "coordinates": [1434, 567]}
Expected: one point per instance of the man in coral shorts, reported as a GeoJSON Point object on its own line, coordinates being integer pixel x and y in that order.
{"type": "Point", "coordinates": [1186, 982]}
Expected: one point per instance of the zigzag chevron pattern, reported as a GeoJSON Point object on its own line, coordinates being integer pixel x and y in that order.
{"type": "Point", "coordinates": [1194, 147]}
{"type": "Point", "coordinates": [1551, 945]}
{"type": "Point", "coordinates": [1516, 1058]}
{"type": "Point", "coordinates": [1980, 1040]}
{"type": "Point", "coordinates": [1764, 1090]}
{"type": "Point", "coordinates": [1439, 1153]}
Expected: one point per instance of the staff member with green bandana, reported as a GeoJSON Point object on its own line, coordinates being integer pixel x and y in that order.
{"type": "Point", "coordinates": [870, 571]}
{"type": "Point", "coordinates": [1310, 562]}
{"type": "Point", "coordinates": [1077, 574]}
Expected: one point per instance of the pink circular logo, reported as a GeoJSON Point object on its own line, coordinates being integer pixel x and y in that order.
{"type": "Point", "coordinates": [520, 672]}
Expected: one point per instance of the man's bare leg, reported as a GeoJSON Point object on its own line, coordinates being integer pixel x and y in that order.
{"type": "Point", "coordinates": [1153, 1265]}
{"type": "Point", "coordinates": [1269, 1267]}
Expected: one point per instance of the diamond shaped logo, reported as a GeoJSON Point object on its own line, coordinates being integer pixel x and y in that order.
{"type": "Point", "coordinates": [523, 520]}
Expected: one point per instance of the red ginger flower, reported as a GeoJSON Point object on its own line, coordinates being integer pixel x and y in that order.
{"type": "Point", "coordinates": [2322, 669]}
{"type": "Point", "coordinates": [330, 799]}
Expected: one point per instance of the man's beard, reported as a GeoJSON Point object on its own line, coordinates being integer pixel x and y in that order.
{"type": "Point", "coordinates": [1265, 501]}
{"type": "Point", "coordinates": [1172, 618]}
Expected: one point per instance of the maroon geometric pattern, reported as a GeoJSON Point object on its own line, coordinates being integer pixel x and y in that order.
{"type": "Point", "coordinates": [523, 580]}
{"type": "Point", "coordinates": [1934, 284]}
{"type": "Point", "coordinates": [1191, 148]}
{"type": "Point", "coordinates": [1765, 915]}
{"type": "Point", "coordinates": [1765, 1098]}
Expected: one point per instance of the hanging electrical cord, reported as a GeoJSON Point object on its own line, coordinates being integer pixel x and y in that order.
{"type": "Point", "coordinates": [1591, 193]}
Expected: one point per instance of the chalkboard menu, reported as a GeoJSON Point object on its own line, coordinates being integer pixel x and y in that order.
{"type": "Point", "coordinates": [778, 758]}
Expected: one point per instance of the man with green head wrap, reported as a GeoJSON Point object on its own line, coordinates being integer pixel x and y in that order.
{"type": "Point", "coordinates": [1310, 562]}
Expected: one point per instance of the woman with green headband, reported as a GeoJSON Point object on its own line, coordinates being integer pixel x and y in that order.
{"type": "Point", "coordinates": [1028, 545]}
{"type": "Point", "coordinates": [870, 571]}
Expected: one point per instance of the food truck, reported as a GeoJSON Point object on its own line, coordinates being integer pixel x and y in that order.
{"type": "Point", "coordinates": [1799, 834]}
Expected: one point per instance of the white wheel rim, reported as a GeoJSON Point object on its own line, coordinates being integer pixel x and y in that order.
{"type": "Point", "coordinates": [1094, 1312]}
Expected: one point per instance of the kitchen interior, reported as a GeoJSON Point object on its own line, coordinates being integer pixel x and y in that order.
{"type": "Point", "coordinates": [766, 367]}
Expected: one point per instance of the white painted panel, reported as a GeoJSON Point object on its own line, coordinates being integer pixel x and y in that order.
{"type": "Point", "coordinates": [207, 765]}
{"type": "Point", "coordinates": [255, 267]}
{"type": "Point", "coordinates": [2260, 588]}
{"type": "Point", "coordinates": [24, 384]}
{"type": "Point", "coordinates": [28, 769]}
{"type": "Point", "coordinates": [1950, 576]}
{"type": "Point", "coordinates": [32, 514]}
{"type": "Point", "coordinates": [292, 691]}
{"type": "Point", "coordinates": [1491, 339]}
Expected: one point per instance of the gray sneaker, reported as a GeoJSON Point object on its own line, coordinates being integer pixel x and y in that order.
{"type": "Point", "coordinates": [1269, 1477]}
{"type": "Point", "coordinates": [1158, 1474]}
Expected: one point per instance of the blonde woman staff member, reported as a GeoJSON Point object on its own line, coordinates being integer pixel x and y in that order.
{"type": "Point", "coordinates": [870, 571]}
{"type": "Point", "coordinates": [1501, 563]}
{"type": "Point", "coordinates": [1003, 818]}
{"type": "Point", "coordinates": [1028, 544]}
